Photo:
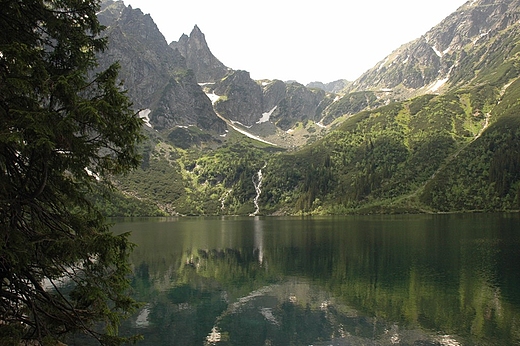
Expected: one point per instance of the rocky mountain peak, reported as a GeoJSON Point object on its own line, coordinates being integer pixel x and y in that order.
{"type": "Point", "coordinates": [156, 77]}
{"type": "Point", "coordinates": [197, 34]}
{"type": "Point", "coordinates": [195, 50]}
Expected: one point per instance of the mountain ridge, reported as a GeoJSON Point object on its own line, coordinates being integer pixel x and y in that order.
{"type": "Point", "coordinates": [434, 127]}
{"type": "Point", "coordinates": [426, 64]}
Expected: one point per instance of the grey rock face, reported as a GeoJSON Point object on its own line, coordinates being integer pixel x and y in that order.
{"type": "Point", "coordinates": [299, 104]}
{"type": "Point", "coordinates": [242, 99]}
{"type": "Point", "coordinates": [421, 65]}
{"type": "Point", "coordinates": [156, 77]}
{"type": "Point", "coordinates": [183, 103]}
{"type": "Point", "coordinates": [195, 50]}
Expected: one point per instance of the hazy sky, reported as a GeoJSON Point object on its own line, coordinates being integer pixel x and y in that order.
{"type": "Point", "coordinates": [305, 41]}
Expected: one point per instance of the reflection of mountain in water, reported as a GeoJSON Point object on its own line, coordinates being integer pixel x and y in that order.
{"type": "Point", "coordinates": [207, 301]}
{"type": "Point", "coordinates": [299, 313]}
{"type": "Point", "coordinates": [250, 281]}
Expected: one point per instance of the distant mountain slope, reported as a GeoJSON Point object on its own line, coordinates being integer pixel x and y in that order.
{"type": "Point", "coordinates": [454, 148]}
{"type": "Point", "coordinates": [332, 87]}
{"type": "Point", "coordinates": [439, 58]}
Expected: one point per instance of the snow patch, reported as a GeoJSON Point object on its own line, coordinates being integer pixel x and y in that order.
{"type": "Point", "coordinates": [440, 82]}
{"type": "Point", "coordinates": [437, 85]}
{"type": "Point", "coordinates": [142, 318]}
{"type": "Point", "coordinates": [266, 116]}
{"type": "Point", "coordinates": [447, 340]}
{"type": "Point", "coordinates": [406, 60]}
{"type": "Point", "coordinates": [239, 123]}
{"type": "Point", "coordinates": [383, 63]}
{"type": "Point", "coordinates": [213, 97]}
{"type": "Point", "coordinates": [249, 134]}
{"type": "Point", "coordinates": [480, 36]}
{"type": "Point", "coordinates": [268, 315]}
{"type": "Point", "coordinates": [289, 131]}
{"type": "Point", "coordinates": [144, 114]}
{"type": "Point", "coordinates": [321, 125]}
{"type": "Point", "coordinates": [439, 54]}
{"type": "Point", "coordinates": [92, 174]}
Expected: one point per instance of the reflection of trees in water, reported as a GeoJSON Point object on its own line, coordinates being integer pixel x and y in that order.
{"type": "Point", "coordinates": [350, 287]}
{"type": "Point", "coordinates": [212, 292]}
{"type": "Point", "coordinates": [294, 311]}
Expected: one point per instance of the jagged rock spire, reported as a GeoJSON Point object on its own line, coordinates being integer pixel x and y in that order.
{"type": "Point", "coordinates": [194, 48]}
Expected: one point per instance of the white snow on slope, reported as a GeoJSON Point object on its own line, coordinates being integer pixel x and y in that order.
{"type": "Point", "coordinates": [144, 114]}
{"type": "Point", "coordinates": [439, 54]}
{"type": "Point", "coordinates": [437, 85]}
{"type": "Point", "coordinates": [266, 116]}
{"type": "Point", "coordinates": [383, 63]}
{"type": "Point", "coordinates": [251, 135]}
{"type": "Point", "coordinates": [213, 97]}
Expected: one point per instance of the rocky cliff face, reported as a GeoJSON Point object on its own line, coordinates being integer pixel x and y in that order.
{"type": "Point", "coordinates": [167, 80]}
{"type": "Point", "coordinates": [332, 87]}
{"type": "Point", "coordinates": [299, 104]}
{"type": "Point", "coordinates": [136, 42]}
{"type": "Point", "coordinates": [155, 75]}
{"type": "Point", "coordinates": [282, 104]}
{"type": "Point", "coordinates": [195, 50]}
{"type": "Point", "coordinates": [183, 103]}
{"type": "Point", "coordinates": [244, 100]}
{"type": "Point", "coordinates": [241, 98]}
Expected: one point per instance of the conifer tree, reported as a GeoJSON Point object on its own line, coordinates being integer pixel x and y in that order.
{"type": "Point", "coordinates": [63, 130]}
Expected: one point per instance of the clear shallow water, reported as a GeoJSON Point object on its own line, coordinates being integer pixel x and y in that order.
{"type": "Point", "coordinates": [375, 280]}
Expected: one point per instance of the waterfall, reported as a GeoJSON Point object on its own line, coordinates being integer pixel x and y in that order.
{"type": "Point", "coordinates": [258, 189]}
{"type": "Point", "coordinates": [223, 200]}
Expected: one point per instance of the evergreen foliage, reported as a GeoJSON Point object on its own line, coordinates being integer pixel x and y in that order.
{"type": "Point", "coordinates": [434, 153]}
{"type": "Point", "coordinates": [450, 152]}
{"type": "Point", "coordinates": [63, 130]}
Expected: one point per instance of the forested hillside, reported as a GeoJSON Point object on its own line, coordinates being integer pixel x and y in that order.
{"type": "Point", "coordinates": [454, 152]}
{"type": "Point", "coordinates": [450, 151]}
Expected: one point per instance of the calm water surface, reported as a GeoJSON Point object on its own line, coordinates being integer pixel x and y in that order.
{"type": "Point", "coordinates": [378, 280]}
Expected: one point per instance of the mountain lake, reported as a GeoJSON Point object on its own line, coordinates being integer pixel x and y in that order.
{"type": "Point", "coordinates": [448, 280]}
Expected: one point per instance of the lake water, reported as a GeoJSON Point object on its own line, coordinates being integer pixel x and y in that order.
{"type": "Point", "coordinates": [374, 280]}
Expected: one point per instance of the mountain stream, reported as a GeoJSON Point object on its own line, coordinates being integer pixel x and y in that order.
{"type": "Point", "coordinates": [258, 189]}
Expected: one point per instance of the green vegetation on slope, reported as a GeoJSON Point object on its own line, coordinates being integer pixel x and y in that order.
{"type": "Point", "coordinates": [195, 181]}
{"type": "Point", "coordinates": [435, 153]}
{"type": "Point", "coordinates": [459, 151]}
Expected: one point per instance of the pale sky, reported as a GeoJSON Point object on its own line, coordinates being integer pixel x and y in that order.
{"type": "Point", "coordinates": [305, 41]}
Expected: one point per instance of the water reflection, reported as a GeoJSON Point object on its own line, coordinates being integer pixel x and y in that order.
{"type": "Point", "coordinates": [259, 238]}
{"type": "Point", "coordinates": [426, 280]}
